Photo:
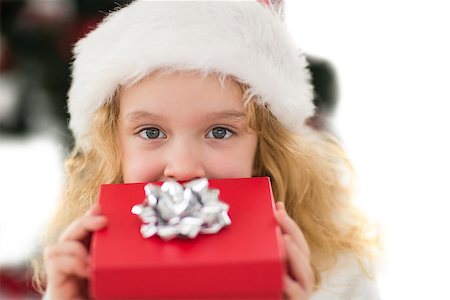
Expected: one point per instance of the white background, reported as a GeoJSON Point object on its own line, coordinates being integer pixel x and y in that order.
{"type": "Point", "coordinates": [392, 61]}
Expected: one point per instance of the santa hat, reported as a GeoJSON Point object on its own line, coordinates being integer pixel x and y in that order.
{"type": "Point", "coordinates": [244, 39]}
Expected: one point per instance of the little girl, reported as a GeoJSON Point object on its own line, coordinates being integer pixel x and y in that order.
{"type": "Point", "coordinates": [182, 90]}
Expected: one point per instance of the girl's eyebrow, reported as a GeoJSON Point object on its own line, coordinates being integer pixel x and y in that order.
{"type": "Point", "coordinates": [139, 116]}
{"type": "Point", "coordinates": [227, 114]}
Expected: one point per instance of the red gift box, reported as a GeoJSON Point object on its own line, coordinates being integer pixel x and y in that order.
{"type": "Point", "coordinates": [242, 261]}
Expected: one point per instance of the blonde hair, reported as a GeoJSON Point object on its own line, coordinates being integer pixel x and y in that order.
{"type": "Point", "coordinates": [85, 173]}
{"type": "Point", "coordinates": [313, 177]}
{"type": "Point", "coordinates": [306, 174]}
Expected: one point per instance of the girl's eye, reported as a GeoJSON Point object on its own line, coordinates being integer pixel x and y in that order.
{"type": "Point", "coordinates": [219, 133]}
{"type": "Point", "coordinates": [152, 133]}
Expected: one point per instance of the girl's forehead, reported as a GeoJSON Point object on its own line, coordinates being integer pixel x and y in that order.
{"type": "Point", "coordinates": [176, 90]}
{"type": "Point", "coordinates": [173, 74]}
{"type": "Point", "coordinates": [184, 81]}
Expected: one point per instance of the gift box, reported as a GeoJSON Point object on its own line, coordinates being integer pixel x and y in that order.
{"type": "Point", "coordinates": [241, 261]}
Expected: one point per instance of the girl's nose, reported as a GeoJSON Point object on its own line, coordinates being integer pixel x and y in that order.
{"type": "Point", "coordinates": [184, 163]}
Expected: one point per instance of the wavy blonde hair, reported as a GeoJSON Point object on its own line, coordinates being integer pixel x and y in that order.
{"type": "Point", "coordinates": [311, 174]}
{"type": "Point", "coordinates": [306, 173]}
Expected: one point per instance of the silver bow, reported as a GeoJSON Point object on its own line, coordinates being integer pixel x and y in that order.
{"type": "Point", "coordinates": [181, 210]}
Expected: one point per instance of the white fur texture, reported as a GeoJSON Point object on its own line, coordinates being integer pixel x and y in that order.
{"type": "Point", "coordinates": [243, 39]}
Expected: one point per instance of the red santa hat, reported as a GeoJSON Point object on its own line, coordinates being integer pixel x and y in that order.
{"type": "Point", "coordinates": [243, 39]}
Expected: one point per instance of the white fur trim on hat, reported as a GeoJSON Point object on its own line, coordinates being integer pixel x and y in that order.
{"type": "Point", "coordinates": [243, 39]}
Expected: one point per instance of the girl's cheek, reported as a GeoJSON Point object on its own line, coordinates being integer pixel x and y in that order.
{"type": "Point", "coordinates": [142, 170]}
{"type": "Point", "coordinates": [223, 168]}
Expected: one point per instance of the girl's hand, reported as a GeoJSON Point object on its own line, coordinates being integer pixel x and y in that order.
{"type": "Point", "coordinates": [67, 262]}
{"type": "Point", "coordinates": [299, 278]}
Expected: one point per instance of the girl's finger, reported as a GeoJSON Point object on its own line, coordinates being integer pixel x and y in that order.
{"type": "Point", "coordinates": [299, 265]}
{"type": "Point", "coordinates": [72, 248]}
{"type": "Point", "coordinates": [61, 266]}
{"type": "Point", "coordinates": [82, 227]}
{"type": "Point", "coordinates": [94, 210]}
{"type": "Point", "coordinates": [292, 289]}
{"type": "Point", "coordinates": [291, 228]}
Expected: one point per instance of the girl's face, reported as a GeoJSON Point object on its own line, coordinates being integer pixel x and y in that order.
{"type": "Point", "coordinates": [183, 126]}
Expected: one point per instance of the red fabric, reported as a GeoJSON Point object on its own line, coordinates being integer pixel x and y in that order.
{"type": "Point", "coordinates": [15, 283]}
{"type": "Point", "coordinates": [241, 261]}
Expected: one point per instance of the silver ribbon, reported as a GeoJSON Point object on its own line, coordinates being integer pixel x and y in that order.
{"type": "Point", "coordinates": [175, 210]}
